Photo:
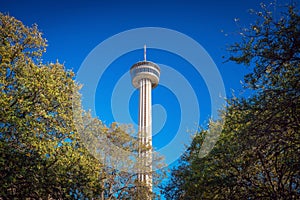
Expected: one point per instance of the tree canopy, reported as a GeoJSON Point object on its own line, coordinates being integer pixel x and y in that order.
{"type": "Point", "coordinates": [41, 154]}
{"type": "Point", "coordinates": [257, 154]}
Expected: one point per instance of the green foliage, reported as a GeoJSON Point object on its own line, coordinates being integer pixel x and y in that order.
{"type": "Point", "coordinates": [257, 154]}
{"type": "Point", "coordinates": [271, 46]}
{"type": "Point", "coordinates": [117, 149]}
{"type": "Point", "coordinates": [41, 155]}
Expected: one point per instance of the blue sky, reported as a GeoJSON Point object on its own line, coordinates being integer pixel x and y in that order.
{"type": "Point", "coordinates": [74, 28]}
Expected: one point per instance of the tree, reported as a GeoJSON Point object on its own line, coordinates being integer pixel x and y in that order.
{"type": "Point", "coordinates": [40, 151]}
{"type": "Point", "coordinates": [117, 148]}
{"type": "Point", "coordinates": [257, 155]}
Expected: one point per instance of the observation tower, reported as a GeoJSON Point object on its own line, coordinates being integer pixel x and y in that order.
{"type": "Point", "coordinates": [145, 77]}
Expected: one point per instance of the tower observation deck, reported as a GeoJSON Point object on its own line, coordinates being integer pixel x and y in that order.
{"type": "Point", "coordinates": [145, 76]}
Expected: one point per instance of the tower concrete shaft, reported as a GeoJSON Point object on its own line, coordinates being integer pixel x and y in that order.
{"type": "Point", "coordinates": [145, 132]}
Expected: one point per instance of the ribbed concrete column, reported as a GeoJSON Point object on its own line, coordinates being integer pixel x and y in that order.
{"type": "Point", "coordinates": [145, 131]}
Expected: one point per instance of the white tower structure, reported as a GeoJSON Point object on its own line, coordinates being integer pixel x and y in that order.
{"type": "Point", "coordinates": [145, 76]}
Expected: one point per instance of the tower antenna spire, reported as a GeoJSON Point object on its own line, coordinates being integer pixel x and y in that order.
{"type": "Point", "coordinates": [145, 52]}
